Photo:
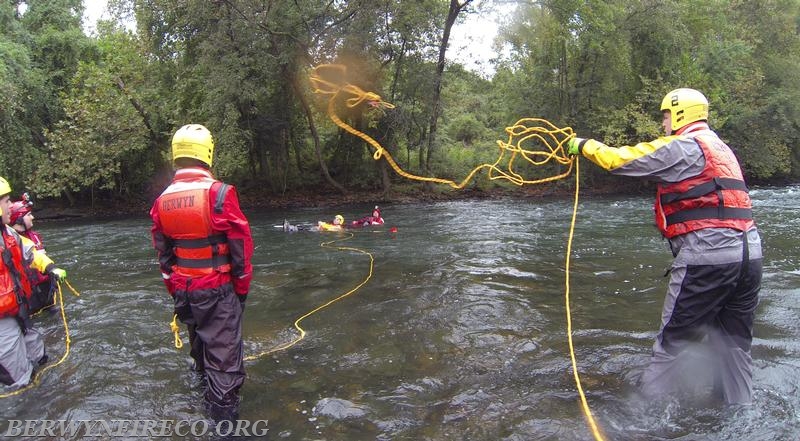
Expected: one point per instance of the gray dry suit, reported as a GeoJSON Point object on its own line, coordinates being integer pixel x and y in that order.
{"type": "Point", "coordinates": [714, 279]}
{"type": "Point", "coordinates": [19, 353]}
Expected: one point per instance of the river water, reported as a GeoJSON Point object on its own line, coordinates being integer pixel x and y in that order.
{"type": "Point", "coordinates": [460, 334]}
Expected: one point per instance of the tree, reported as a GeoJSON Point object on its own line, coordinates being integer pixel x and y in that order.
{"type": "Point", "coordinates": [452, 14]}
{"type": "Point", "coordinates": [19, 119]}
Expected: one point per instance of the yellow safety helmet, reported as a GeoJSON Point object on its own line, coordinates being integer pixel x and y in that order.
{"type": "Point", "coordinates": [4, 187]}
{"type": "Point", "coordinates": [4, 190]}
{"type": "Point", "coordinates": [339, 219]}
{"type": "Point", "coordinates": [193, 141]}
{"type": "Point", "coordinates": [685, 106]}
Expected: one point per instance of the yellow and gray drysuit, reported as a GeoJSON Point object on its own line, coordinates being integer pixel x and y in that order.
{"type": "Point", "coordinates": [21, 345]}
{"type": "Point", "coordinates": [703, 209]}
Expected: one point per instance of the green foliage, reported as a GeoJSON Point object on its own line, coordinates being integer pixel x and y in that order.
{"type": "Point", "coordinates": [96, 142]}
{"type": "Point", "coordinates": [631, 123]}
{"type": "Point", "coordinates": [600, 67]}
{"type": "Point", "coordinates": [17, 83]}
{"type": "Point", "coordinates": [82, 115]}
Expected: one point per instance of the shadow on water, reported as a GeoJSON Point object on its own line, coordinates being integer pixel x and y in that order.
{"type": "Point", "coordinates": [460, 333]}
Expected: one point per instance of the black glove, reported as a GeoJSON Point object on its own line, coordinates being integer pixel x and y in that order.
{"type": "Point", "coordinates": [242, 297]}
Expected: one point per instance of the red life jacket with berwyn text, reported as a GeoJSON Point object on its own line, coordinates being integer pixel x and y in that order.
{"type": "Point", "coordinates": [185, 218]}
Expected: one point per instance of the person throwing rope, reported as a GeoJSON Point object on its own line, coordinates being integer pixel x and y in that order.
{"type": "Point", "coordinates": [703, 209]}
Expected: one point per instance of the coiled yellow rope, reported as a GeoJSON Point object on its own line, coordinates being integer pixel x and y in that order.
{"type": "Point", "coordinates": [297, 326]}
{"type": "Point", "coordinates": [523, 131]}
{"type": "Point", "coordinates": [38, 375]}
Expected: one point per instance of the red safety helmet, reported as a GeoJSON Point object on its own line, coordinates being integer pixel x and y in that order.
{"type": "Point", "coordinates": [19, 209]}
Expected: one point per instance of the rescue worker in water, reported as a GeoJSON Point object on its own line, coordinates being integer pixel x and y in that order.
{"type": "Point", "coordinates": [703, 209]}
{"type": "Point", "coordinates": [43, 288]}
{"type": "Point", "coordinates": [21, 345]}
{"type": "Point", "coordinates": [204, 248]}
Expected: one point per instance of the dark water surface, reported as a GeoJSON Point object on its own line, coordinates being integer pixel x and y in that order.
{"type": "Point", "coordinates": [460, 334]}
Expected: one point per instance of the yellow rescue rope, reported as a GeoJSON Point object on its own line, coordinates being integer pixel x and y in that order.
{"type": "Point", "coordinates": [176, 331]}
{"type": "Point", "coordinates": [297, 326]}
{"type": "Point", "coordinates": [38, 374]}
{"type": "Point", "coordinates": [523, 131]}
{"type": "Point", "coordinates": [328, 79]}
{"type": "Point", "coordinates": [584, 404]}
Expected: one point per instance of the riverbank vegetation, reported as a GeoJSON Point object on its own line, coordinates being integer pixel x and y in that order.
{"type": "Point", "coordinates": [88, 119]}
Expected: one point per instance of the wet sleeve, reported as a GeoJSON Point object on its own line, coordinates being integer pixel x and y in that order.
{"type": "Point", "coordinates": [666, 159]}
{"type": "Point", "coordinates": [233, 222]}
{"type": "Point", "coordinates": [163, 247]}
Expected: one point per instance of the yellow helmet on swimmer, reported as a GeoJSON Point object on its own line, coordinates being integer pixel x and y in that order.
{"type": "Point", "coordinates": [193, 141]}
{"type": "Point", "coordinates": [338, 219]}
{"type": "Point", "coordinates": [685, 106]}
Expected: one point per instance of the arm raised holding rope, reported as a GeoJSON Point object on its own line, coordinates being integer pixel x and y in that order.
{"type": "Point", "coordinates": [702, 207]}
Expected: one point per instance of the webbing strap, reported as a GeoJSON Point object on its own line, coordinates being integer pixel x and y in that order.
{"type": "Point", "coordinates": [213, 262]}
{"type": "Point", "coordinates": [709, 213]}
{"type": "Point", "coordinates": [704, 189]}
{"type": "Point", "coordinates": [201, 243]}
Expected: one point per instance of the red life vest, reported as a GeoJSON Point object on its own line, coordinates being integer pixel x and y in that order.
{"type": "Point", "coordinates": [184, 211]}
{"type": "Point", "coordinates": [14, 287]}
{"type": "Point", "coordinates": [716, 198]}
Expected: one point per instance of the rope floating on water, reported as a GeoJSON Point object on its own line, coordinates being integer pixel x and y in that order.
{"type": "Point", "coordinates": [301, 331]}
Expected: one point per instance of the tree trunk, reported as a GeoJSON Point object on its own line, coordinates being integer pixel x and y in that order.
{"type": "Point", "coordinates": [315, 136]}
{"type": "Point", "coordinates": [386, 183]}
{"type": "Point", "coordinates": [455, 8]}
{"type": "Point", "coordinates": [297, 157]}
{"type": "Point", "coordinates": [155, 139]}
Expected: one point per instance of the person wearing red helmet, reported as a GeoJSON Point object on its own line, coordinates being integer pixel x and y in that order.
{"type": "Point", "coordinates": [373, 219]}
{"type": "Point", "coordinates": [21, 220]}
